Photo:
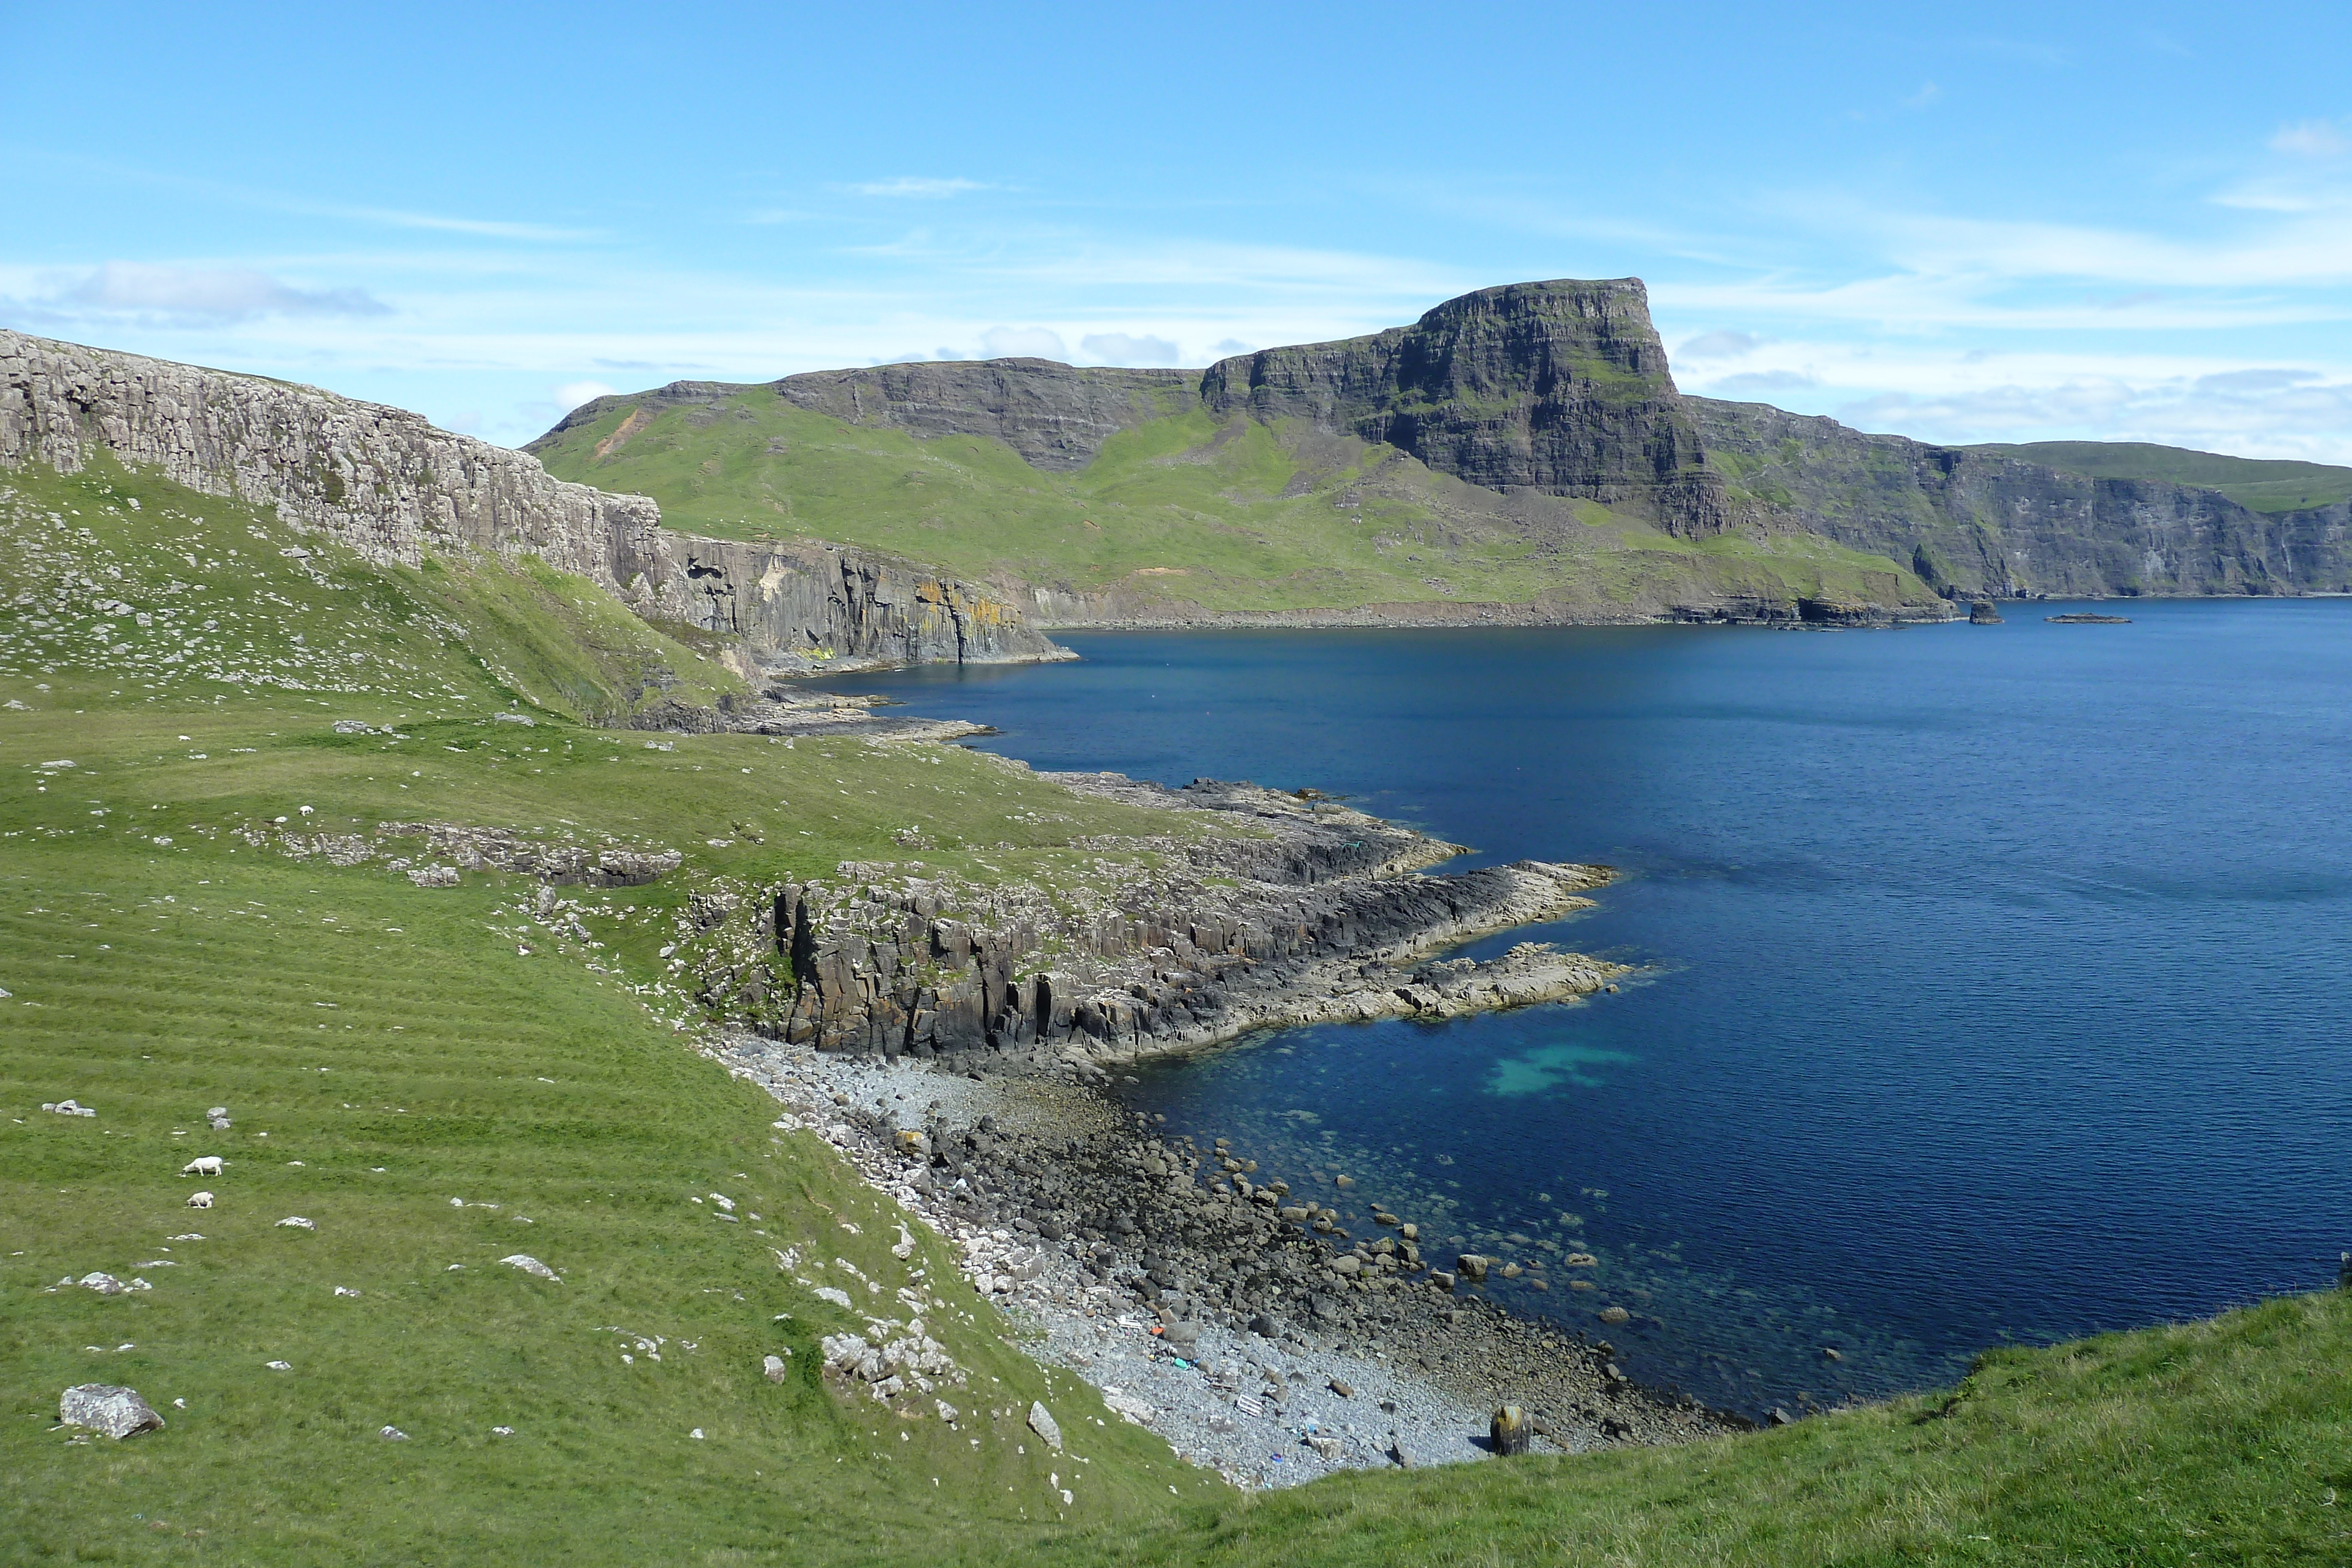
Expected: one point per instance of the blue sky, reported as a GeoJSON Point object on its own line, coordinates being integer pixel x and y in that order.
{"type": "Point", "coordinates": [1964, 224]}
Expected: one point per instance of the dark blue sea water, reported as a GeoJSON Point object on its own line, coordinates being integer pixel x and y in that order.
{"type": "Point", "coordinates": [1997, 980]}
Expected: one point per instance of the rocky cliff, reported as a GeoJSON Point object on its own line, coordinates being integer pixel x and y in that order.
{"type": "Point", "coordinates": [1559, 391]}
{"type": "Point", "coordinates": [387, 484]}
{"type": "Point", "coordinates": [1313, 912]}
{"type": "Point", "coordinates": [1975, 523]}
{"type": "Point", "coordinates": [1560, 387]}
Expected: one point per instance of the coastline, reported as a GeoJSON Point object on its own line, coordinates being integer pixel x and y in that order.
{"type": "Point", "coordinates": [1257, 1338]}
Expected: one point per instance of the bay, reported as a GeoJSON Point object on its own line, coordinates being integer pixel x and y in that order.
{"type": "Point", "coordinates": [1994, 981]}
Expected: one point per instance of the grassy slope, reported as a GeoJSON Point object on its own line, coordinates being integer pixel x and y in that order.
{"type": "Point", "coordinates": [2263, 484]}
{"type": "Point", "coordinates": [1243, 517]}
{"type": "Point", "coordinates": [154, 978]}
{"type": "Point", "coordinates": [2227, 1441]}
{"type": "Point", "coordinates": [177, 593]}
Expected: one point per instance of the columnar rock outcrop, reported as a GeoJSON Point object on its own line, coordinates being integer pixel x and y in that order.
{"type": "Point", "coordinates": [386, 482]}
{"type": "Point", "coordinates": [1321, 914]}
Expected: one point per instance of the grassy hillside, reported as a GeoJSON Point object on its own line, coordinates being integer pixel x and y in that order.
{"type": "Point", "coordinates": [171, 593]}
{"type": "Point", "coordinates": [439, 1078]}
{"type": "Point", "coordinates": [2227, 1441]}
{"type": "Point", "coordinates": [2260, 484]}
{"type": "Point", "coordinates": [1240, 516]}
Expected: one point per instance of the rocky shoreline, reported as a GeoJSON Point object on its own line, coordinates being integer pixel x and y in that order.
{"type": "Point", "coordinates": [1238, 1321]}
{"type": "Point", "coordinates": [1256, 909]}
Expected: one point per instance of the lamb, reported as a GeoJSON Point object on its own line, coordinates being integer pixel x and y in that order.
{"type": "Point", "coordinates": [200, 1200]}
{"type": "Point", "coordinates": [210, 1164]}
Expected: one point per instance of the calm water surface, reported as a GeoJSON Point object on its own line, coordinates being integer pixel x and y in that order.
{"type": "Point", "coordinates": [1995, 978]}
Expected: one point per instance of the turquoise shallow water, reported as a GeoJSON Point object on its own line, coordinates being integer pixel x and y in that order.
{"type": "Point", "coordinates": [1995, 977]}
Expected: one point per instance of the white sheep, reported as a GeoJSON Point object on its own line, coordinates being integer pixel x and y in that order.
{"type": "Point", "coordinates": [200, 1200]}
{"type": "Point", "coordinates": [210, 1164]}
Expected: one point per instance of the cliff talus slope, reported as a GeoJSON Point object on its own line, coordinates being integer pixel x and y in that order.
{"type": "Point", "coordinates": [387, 484]}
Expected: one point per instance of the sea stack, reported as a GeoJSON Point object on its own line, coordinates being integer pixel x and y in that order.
{"type": "Point", "coordinates": [1984, 614]}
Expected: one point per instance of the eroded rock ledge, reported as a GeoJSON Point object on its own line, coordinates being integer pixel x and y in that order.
{"type": "Point", "coordinates": [1286, 911]}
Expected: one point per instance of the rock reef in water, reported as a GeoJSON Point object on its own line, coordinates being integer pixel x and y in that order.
{"type": "Point", "coordinates": [387, 484]}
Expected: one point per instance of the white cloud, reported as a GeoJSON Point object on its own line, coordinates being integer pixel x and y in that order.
{"type": "Point", "coordinates": [488, 228]}
{"type": "Point", "coordinates": [1121, 348]}
{"type": "Point", "coordinates": [1022, 343]}
{"type": "Point", "coordinates": [1231, 346]}
{"type": "Point", "coordinates": [1752, 381]}
{"type": "Point", "coordinates": [189, 295]}
{"type": "Point", "coordinates": [915, 186]}
{"type": "Point", "coordinates": [1719, 345]}
{"type": "Point", "coordinates": [572, 394]}
{"type": "Point", "coordinates": [2312, 139]}
{"type": "Point", "coordinates": [2252, 415]}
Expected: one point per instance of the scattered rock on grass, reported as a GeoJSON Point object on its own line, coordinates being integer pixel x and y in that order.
{"type": "Point", "coordinates": [104, 1407]}
{"type": "Point", "coordinates": [1041, 1422]}
{"type": "Point", "coordinates": [530, 1265]}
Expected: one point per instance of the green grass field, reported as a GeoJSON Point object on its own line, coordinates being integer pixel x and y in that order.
{"type": "Point", "coordinates": [447, 1076]}
{"type": "Point", "coordinates": [1235, 516]}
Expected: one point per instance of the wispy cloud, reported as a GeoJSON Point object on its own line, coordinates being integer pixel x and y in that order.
{"type": "Point", "coordinates": [1129, 349]}
{"type": "Point", "coordinates": [919, 186]}
{"type": "Point", "coordinates": [185, 296]}
{"type": "Point", "coordinates": [1719, 345]}
{"type": "Point", "coordinates": [488, 228]}
{"type": "Point", "coordinates": [1023, 343]}
{"type": "Point", "coordinates": [572, 394]}
{"type": "Point", "coordinates": [2313, 138]}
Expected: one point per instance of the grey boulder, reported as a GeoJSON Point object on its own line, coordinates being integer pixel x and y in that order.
{"type": "Point", "coordinates": [104, 1407]}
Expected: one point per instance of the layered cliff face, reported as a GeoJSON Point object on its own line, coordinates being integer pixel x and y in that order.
{"type": "Point", "coordinates": [387, 484]}
{"type": "Point", "coordinates": [1560, 387]}
{"type": "Point", "coordinates": [1978, 523]}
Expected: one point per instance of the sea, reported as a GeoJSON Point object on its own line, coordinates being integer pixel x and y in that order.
{"type": "Point", "coordinates": [1994, 983]}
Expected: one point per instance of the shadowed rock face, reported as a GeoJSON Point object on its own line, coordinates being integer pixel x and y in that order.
{"type": "Point", "coordinates": [1977, 523]}
{"type": "Point", "coordinates": [1560, 387]}
{"type": "Point", "coordinates": [386, 482]}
